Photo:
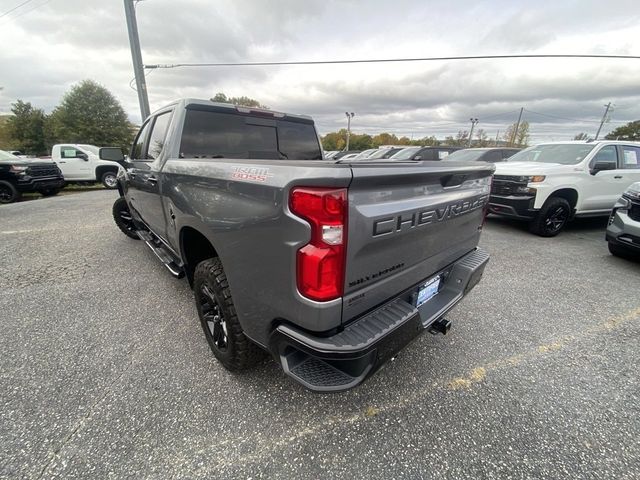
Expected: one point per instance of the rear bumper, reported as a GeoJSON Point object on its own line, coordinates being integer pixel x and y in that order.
{"type": "Point", "coordinates": [37, 184]}
{"type": "Point", "coordinates": [520, 207]}
{"type": "Point", "coordinates": [346, 359]}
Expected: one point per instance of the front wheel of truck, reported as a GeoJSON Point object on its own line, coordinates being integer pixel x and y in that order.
{"type": "Point", "coordinates": [551, 218]}
{"type": "Point", "coordinates": [219, 318]}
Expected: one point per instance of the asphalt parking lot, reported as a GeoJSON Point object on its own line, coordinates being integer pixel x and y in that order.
{"type": "Point", "coordinates": [105, 371]}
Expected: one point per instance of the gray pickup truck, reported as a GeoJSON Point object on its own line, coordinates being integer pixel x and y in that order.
{"type": "Point", "coordinates": [331, 267]}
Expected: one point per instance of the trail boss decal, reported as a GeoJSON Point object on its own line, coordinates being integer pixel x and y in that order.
{"type": "Point", "coordinates": [252, 174]}
{"type": "Point", "coordinates": [418, 218]}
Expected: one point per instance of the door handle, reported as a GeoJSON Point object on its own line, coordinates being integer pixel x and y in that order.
{"type": "Point", "coordinates": [152, 179]}
{"type": "Point", "coordinates": [618, 176]}
{"type": "Point", "coordinates": [60, 161]}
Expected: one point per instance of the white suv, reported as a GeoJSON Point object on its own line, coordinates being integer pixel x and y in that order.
{"type": "Point", "coordinates": [551, 183]}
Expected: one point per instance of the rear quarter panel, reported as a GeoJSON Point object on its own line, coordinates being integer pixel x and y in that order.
{"type": "Point", "coordinates": [241, 206]}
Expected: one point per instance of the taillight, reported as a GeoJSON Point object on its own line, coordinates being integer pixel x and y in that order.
{"type": "Point", "coordinates": [320, 263]}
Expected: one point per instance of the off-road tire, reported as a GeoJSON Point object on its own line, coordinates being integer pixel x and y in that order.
{"type": "Point", "coordinates": [552, 217]}
{"type": "Point", "coordinates": [8, 193]}
{"type": "Point", "coordinates": [50, 192]}
{"type": "Point", "coordinates": [239, 353]}
{"type": "Point", "coordinates": [124, 220]}
{"type": "Point", "coordinates": [109, 180]}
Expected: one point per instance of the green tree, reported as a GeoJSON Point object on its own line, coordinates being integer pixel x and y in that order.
{"type": "Point", "coordinates": [26, 128]}
{"type": "Point", "coordinates": [427, 141]}
{"type": "Point", "coordinates": [335, 140]}
{"type": "Point", "coordinates": [630, 131]}
{"type": "Point", "coordinates": [581, 136]}
{"type": "Point", "coordinates": [6, 140]}
{"type": "Point", "coordinates": [89, 113]}
{"type": "Point", "coordinates": [519, 138]}
{"type": "Point", "coordinates": [460, 140]}
{"type": "Point", "coordinates": [242, 101]}
{"type": "Point", "coordinates": [384, 139]}
{"type": "Point", "coordinates": [360, 142]}
{"type": "Point", "coordinates": [482, 139]}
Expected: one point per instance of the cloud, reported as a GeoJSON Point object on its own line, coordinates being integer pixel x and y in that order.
{"type": "Point", "coordinates": [66, 41]}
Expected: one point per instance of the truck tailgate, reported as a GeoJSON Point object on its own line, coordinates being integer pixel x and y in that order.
{"type": "Point", "coordinates": [407, 221]}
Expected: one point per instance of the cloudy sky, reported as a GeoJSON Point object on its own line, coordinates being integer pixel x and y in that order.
{"type": "Point", "coordinates": [48, 45]}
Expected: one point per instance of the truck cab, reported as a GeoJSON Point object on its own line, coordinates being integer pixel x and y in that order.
{"type": "Point", "coordinates": [549, 184]}
{"type": "Point", "coordinates": [88, 163]}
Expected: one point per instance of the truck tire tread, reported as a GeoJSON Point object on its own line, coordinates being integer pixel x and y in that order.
{"type": "Point", "coordinates": [125, 226]}
{"type": "Point", "coordinates": [241, 352]}
{"type": "Point", "coordinates": [539, 224]}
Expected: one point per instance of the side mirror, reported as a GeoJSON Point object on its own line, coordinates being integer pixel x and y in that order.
{"type": "Point", "coordinates": [600, 165]}
{"type": "Point", "coordinates": [83, 156]}
{"type": "Point", "coordinates": [418, 157]}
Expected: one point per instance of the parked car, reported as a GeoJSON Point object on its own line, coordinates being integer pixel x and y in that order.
{"type": "Point", "coordinates": [623, 232]}
{"type": "Point", "coordinates": [493, 155]}
{"type": "Point", "coordinates": [88, 163]}
{"type": "Point", "coordinates": [17, 153]}
{"type": "Point", "coordinates": [366, 153]}
{"type": "Point", "coordinates": [343, 153]}
{"type": "Point", "coordinates": [19, 176]}
{"type": "Point", "coordinates": [383, 153]}
{"type": "Point", "coordinates": [424, 153]}
{"type": "Point", "coordinates": [549, 184]}
{"type": "Point", "coordinates": [330, 154]}
{"type": "Point", "coordinates": [294, 255]}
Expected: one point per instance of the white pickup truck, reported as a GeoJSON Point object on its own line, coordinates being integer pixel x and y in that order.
{"type": "Point", "coordinates": [549, 184]}
{"type": "Point", "coordinates": [88, 163]}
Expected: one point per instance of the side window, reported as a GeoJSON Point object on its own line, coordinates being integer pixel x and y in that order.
{"type": "Point", "coordinates": [443, 154]}
{"type": "Point", "coordinates": [68, 152]}
{"type": "Point", "coordinates": [137, 151]}
{"type": "Point", "coordinates": [158, 134]}
{"type": "Point", "coordinates": [507, 153]}
{"type": "Point", "coordinates": [630, 157]}
{"type": "Point", "coordinates": [608, 154]}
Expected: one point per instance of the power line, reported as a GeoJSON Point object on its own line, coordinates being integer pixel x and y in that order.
{"type": "Point", "coordinates": [561, 118]}
{"type": "Point", "coordinates": [390, 60]}
{"type": "Point", "coordinates": [25, 12]}
{"type": "Point", "coordinates": [15, 8]}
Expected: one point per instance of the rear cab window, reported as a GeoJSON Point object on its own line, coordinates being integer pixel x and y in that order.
{"type": "Point", "coordinates": [215, 134]}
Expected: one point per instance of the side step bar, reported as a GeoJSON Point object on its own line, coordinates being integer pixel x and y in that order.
{"type": "Point", "coordinates": [162, 253]}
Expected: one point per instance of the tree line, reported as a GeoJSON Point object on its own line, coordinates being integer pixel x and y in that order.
{"type": "Point", "coordinates": [88, 113]}
{"type": "Point", "coordinates": [338, 140]}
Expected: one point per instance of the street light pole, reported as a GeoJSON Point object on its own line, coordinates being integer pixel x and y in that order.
{"type": "Point", "coordinates": [349, 117]}
{"type": "Point", "coordinates": [136, 56]}
{"type": "Point", "coordinates": [473, 124]}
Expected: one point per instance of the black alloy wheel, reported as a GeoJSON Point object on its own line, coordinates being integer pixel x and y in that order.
{"type": "Point", "coordinates": [214, 317]}
{"type": "Point", "coordinates": [552, 217]}
{"type": "Point", "coordinates": [8, 193]}
{"type": "Point", "coordinates": [556, 219]}
{"type": "Point", "coordinates": [124, 220]}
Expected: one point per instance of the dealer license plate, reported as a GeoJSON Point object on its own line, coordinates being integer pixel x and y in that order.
{"type": "Point", "coordinates": [427, 291]}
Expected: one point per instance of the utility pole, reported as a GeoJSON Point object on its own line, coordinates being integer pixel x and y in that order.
{"type": "Point", "coordinates": [136, 56]}
{"type": "Point", "coordinates": [473, 124]}
{"type": "Point", "coordinates": [349, 117]}
{"type": "Point", "coordinates": [514, 136]}
{"type": "Point", "coordinates": [497, 136]}
{"type": "Point", "coordinates": [604, 119]}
